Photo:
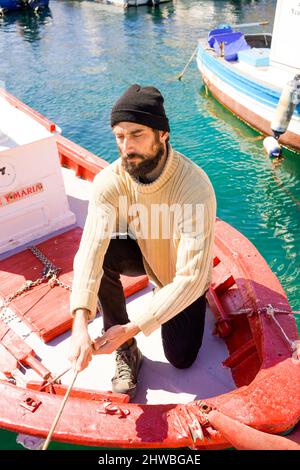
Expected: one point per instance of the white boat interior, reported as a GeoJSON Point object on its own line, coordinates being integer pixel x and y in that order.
{"type": "Point", "coordinates": [159, 381]}
{"type": "Point", "coordinates": [17, 128]}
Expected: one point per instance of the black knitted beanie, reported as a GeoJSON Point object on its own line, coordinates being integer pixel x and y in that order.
{"type": "Point", "coordinates": [143, 105]}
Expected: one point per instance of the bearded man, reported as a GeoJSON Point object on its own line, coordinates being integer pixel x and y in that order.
{"type": "Point", "coordinates": [152, 211]}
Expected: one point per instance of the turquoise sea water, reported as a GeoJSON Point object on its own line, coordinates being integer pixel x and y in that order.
{"type": "Point", "coordinates": [72, 62]}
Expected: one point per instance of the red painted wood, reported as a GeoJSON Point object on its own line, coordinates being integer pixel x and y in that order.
{"type": "Point", "coordinates": [130, 287]}
{"type": "Point", "coordinates": [256, 287]}
{"type": "Point", "coordinates": [223, 279]}
{"type": "Point", "coordinates": [240, 354]}
{"type": "Point", "coordinates": [44, 308]}
{"type": "Point", "coordinates": [8, 362]}
{"type": "Point", "coordinates": [265, 405]}
{"type": "Point", "coordinates": [23, 353]}
{"type": "Point", "coordinates": [222, 326]}
{"type": "Point", "coordinates": [85, 164]}
{"type": "Point", "coordinates": [59, 389]}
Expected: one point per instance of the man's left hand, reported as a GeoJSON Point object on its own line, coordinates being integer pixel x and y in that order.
{"type": "Point", "coordinates": [114, 338]}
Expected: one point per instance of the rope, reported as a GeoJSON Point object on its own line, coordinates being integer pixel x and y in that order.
{"type": "Point", "coordinates": [270, 311]}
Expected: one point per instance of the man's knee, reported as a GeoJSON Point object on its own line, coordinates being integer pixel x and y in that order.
{"type": "Point", "coordinates": [182, 364]}
{"type": "Point", "coordinates": [183, 361]}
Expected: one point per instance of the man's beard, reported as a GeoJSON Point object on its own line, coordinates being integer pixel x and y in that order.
{"type": "Point", "coordinates": [145, 165]}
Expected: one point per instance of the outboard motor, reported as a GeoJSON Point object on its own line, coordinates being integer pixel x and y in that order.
{"type": "Point", "coordinates": [289, 99]}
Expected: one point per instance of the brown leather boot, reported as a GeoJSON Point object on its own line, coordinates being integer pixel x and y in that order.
{"type": "Point", "coordinates": [128, 362]}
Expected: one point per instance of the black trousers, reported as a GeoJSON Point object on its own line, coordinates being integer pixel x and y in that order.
{"type": "Point", "coordinates": [181, 336]}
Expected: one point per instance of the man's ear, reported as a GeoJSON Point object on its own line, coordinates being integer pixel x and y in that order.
{"type": "Point", "coordinates": [163, 135]}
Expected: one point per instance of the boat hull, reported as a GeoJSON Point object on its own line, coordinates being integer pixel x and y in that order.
{"type": "Point", "coordinates": [14, 5]}
{"type": "Point", "coordinates": [255, 105]}
{"type": "Point", "coordinates": [264, 371]}
{"type": "Point", "coordinates": [251, 313]}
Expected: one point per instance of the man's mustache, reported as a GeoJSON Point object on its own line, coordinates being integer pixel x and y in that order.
{"type": "Point", "coordinates": [133, 155]}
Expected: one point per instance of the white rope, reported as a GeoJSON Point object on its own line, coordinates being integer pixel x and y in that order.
{"type": "Point", "coordinates": [270, 311]}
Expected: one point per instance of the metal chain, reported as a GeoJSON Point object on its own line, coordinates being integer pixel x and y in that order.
{"type": "Point", "coordinates": [49, 274]}
{"type": "Point", "coordinates": [50, 270]}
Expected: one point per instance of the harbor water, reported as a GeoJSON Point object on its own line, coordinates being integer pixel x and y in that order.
{"type": "Point", "coordinates": [72, 61]}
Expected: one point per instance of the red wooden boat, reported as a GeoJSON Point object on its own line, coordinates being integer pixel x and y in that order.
{"type": "Point", "coordinates": [247, 370]}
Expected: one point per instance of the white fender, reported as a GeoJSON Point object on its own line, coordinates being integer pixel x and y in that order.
{"type": "Point", "coordinates": [272, 147]}
{"type": "Point", "coordinates": [289, 99]}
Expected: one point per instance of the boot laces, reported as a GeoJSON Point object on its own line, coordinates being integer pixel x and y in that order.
{"type": "Point", "coordinates": [125, 361]}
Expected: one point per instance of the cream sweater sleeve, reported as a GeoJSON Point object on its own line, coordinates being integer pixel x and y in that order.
{"type": "Point", "coordinates": [88, 261]}
{"type": "Point", "coordinates": [193, 271]}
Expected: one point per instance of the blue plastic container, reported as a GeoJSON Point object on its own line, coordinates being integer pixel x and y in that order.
{"type": "Point", "coordinates": [223, 29]}
{"type": "Point", "coordinates": [258, 57]}
{"type": "Point", "coordinates": [232, 43]}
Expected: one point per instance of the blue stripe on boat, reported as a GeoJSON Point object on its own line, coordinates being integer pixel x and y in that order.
{"type": "Point", "coordinates": [251, 88]}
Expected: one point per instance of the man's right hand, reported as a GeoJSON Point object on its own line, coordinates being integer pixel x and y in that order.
{"type": "Point", "coordinates": [81, 351]}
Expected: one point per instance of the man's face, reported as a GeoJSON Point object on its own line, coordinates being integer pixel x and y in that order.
{"type": "Point", "coordinates": [141, 148]}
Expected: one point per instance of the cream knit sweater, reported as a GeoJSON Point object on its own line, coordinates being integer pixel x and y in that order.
{"type": "Point", "coordinates": [172, 220]}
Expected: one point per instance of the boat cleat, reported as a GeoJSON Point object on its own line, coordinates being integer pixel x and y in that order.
{"type": "Point", "coordinates": [196, 431]}
{"type": "Point", "coordinates": [30, 404]}
{"type": "Point", "coordinates": [195, 426]}
{"type": "Point", "coordinates": [110, 408]}
{"type": "Point", "coordinates": [204, 409]}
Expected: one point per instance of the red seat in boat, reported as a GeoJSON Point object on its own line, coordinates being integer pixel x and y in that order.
{"type": "Point", "coordinates": [44, 308]}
